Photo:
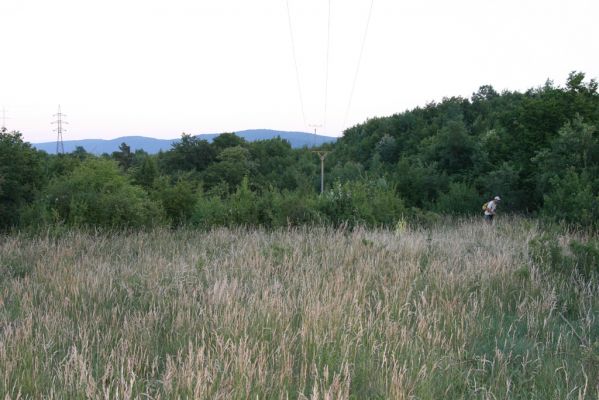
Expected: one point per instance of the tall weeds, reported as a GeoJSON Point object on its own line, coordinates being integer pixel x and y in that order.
{"type": "Point", "coordinates": [463, 311]}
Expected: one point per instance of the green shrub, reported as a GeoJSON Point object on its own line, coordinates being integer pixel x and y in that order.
{"type": "Point", "coordinates": [178, 199]}
{"type": "Point", "coordinates": [96, 194]}
{"type": "Point", "coordinates": [361, 202]}
{"type": "Point", "coordinates": [240, 208]}
{"type": "Point", "coordinates": [461, 199]}
{"type": "Point", "coordinates": [243, 205]}
{"type": "Point", "coordinates": [280, 209]}
{"type": "Point", "coordinates": [571, 199]}
{"type": "Point", "coordinates": [209, 212]}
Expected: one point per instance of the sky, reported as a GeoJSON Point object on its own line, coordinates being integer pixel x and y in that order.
{"type": "Point", "coordinates": [159, 68]}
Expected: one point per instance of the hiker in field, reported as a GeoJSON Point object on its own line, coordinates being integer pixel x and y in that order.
{"type": "Point", "coordinates": [490, 209]}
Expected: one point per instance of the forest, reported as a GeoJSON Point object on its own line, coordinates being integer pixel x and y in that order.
{"type": "Point", "coordinates": [538, 150]}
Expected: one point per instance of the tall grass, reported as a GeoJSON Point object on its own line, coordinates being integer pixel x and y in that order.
{"type": "Point", "coordinates": [309, 313]}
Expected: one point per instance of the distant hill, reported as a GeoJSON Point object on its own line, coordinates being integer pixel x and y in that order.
{"type": "Point", "coordinates": [152, 146]}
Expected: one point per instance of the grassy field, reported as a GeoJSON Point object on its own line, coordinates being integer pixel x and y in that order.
{"type": "Point", "coordinates": [465, 311]}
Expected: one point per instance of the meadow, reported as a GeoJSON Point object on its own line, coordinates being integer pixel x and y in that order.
{"type": "Point", "coordinates": [464, 311]}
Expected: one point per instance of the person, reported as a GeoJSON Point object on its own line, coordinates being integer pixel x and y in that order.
{"type": "Point", "coordinates": [491, 209]}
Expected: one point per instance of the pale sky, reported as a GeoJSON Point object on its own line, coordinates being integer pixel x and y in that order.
{"type": "Point", "coordinates": [159, 68]}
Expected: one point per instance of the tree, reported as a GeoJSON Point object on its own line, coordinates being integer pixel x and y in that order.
{"type": "Point", "coordinates": [485, 92]}
{"type": "Point", "coordinates": [453, 149]}
{"type": "Point", "coordinates": [226, 140]}
{"type": "Point", "coordinates": [233, 165]}
{"type": "Point", "coordinates": [188, 154]}
{"type": "Point", "coordinates": [387, 149]}
{"type": "Point", "coordinates": [273, 164]}
{"type": "Point", "coordinates": [80, 153]}
{"type": "Point", "coordinates": [20, 176]}
{"type": "Point", "coordinates": [124, 156]}
{"type": "Point", "coordinates": [575, 148]}
{"type": "Point", "coordinates": [146, 172]}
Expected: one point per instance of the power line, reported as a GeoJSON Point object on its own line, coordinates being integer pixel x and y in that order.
{"type": "Point", "coordinates": [326, 76]}
{"type": "Point", "coordinates": [351, 95]}
{"type": "Point", "coordinates": [299, 86]}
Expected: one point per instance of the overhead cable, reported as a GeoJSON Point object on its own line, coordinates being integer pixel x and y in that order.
{"type": "Point", "coordinates": [351, 95]}
{"type": "Point", "coordinates": [299, 86]}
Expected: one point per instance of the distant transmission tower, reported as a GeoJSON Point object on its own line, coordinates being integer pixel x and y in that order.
{"type": "Point", "coordinates": [59, 130]}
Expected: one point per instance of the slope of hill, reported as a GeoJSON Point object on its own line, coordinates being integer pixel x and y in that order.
{"type": "Point", "coordinates": [152, 146]}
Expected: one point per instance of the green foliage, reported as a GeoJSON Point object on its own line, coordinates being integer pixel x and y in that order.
{"type": "Point", "coordinates": [244, 207]}
{"type": "Point", "coordinates": [188, 154]}
{"type": "Point", "coordinates": [269, 209]}
{"type": "Point", "coordinates": [572, 199]}
{"type": "Point", "coordinates": [346, 172]}
{"type": "Point", "coordinates": [418, 183]}
{"type": "Point", "coordinates": [124, 156]}
{"type": "Point", "coordinates": [209, 212]}
{"type": "Point", "coordinates": [146, 172]}
{"type": "Point", "coordinates": [274, 163]}
{"type": "Point", "coordinates": [233, 165]}
{"type": "Point", "coordinates": [453, 149]}
{"type": "Point", "coordinates": [539, 150]}
{"type": "Point", "coordinates": [280, 209]}
{"type": "Point", "coordinates": [362, 202]}
{"type": "Point", "coordinates": [240, 208]}
{"type": "Point", "coordinates": [226, 140]}
{"type": "Point", "coordinates": [461, 199]}
{"type": "Point", "coordinates": [63, 164]}
{"type": "Point", "coordinates": [20, 176]}
{"type": "Point", "coordinates": [96, 194]}
{"type": "Point", "coordinates": [504, 180]}
{"type": "Point", "coordinates": [387, 149]}
{"type": "Point", "coordinates": [178, 199]}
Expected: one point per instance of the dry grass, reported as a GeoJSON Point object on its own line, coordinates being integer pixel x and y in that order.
{"type": "Point", "coordinates": [311, 313]}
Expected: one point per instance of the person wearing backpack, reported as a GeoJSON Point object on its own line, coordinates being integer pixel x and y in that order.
{"type": "Point", "coordinates": [490, 208]}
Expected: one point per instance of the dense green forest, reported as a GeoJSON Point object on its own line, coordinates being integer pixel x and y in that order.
{"type": "Point", "coordinates": [538, 150]}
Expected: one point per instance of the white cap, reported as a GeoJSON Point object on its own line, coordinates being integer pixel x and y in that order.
{"type": "Point", "coordinates": [497, 198]}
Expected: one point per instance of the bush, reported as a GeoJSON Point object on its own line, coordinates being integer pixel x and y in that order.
{"type": "Point", "coordinates": [210, 211]}
{"type": "Point", "coordinates": [240, 208]}
{"type": "Point", "coordinates": [461, 199]}
{"type": "Point", "coordinates": [280, 209]}
{"type": "Point", "coordinates": [95, 194]}
{"type": "Point", "coordinates": [362, 202]}
{"type": "Point", "coordinates": [572, 200]}
{"type": "Point", "coordinates": [178, 199]}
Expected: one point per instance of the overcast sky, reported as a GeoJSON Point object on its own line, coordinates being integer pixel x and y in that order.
{"type": "Point", "coordinates": [159, 68]}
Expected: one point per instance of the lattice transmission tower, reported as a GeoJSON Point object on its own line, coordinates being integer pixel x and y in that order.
{"type": "Point", "coordinates": [59, 130]}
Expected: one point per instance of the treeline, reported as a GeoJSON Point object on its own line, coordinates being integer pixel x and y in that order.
{"type": "Point", "coordinates": [538, 150]}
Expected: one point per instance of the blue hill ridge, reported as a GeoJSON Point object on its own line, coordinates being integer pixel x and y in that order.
{"type": "Point", "coordinates": [153, 146]}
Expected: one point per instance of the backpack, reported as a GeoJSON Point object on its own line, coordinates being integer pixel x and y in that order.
{"type": "Point", "coordinates": [485, 206]}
